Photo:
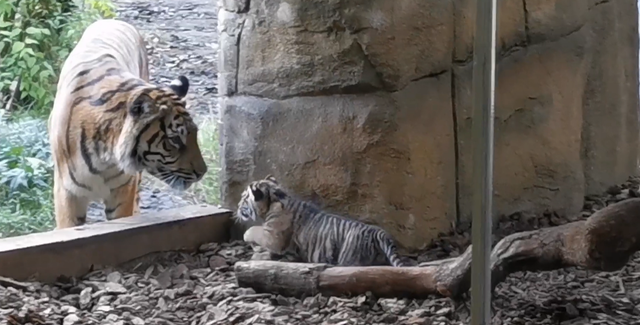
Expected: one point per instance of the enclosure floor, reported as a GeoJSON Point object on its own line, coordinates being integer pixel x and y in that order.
{"type": "Point", "coordinates": [182, 39]}
{"type": "Point", "coordinates": [200, 288]}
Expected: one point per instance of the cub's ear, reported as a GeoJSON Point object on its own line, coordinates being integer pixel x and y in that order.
{"type": "Point", "coordinates": [271, 178]}
{"type": "Point", "coordinates": [180, 86]}
{"type": "Point", "coordinates": [258, 194]}
{"type": "Point", "coordinates": [143, 104]}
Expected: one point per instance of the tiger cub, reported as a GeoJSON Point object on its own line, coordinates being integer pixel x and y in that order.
{"type": "Point", "coordinates": [109, 124]}
{"type": "Point", "coordinates": [291, 225]}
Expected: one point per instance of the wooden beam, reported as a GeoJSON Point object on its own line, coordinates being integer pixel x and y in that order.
{"type": "Point", "coordinates": [79, 250]}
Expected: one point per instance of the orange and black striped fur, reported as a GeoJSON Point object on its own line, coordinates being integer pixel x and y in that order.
{"type": "Point", "coordinates": [109, 124]}
{"type": "Point", "coordinates": [289, 226]}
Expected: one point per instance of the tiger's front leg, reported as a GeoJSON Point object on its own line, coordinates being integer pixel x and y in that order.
{"type": "Point", "coordinates": [124, 200]}
{"type": "Point", "coordinates": [70, 210]}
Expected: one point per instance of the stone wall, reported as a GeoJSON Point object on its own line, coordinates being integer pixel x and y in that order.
{"type": "Point", "coordinates": [364, 106]}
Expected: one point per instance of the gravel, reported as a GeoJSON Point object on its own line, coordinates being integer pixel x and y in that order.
{"type": "Point", "coordinates": [200, 288]}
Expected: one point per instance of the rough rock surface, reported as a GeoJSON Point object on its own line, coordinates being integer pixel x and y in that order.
{"type": "Point", "coordinates": [182, 39]}
{"type": "Point", "coordinates": [365, 106]}
{"type": "Point", "coordinates": [200, 288]}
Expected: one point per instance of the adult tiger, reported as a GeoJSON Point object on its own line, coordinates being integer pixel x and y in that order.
{"type": "Point", "coordinates": [290, 226]}
{"type": "Point", "coordinates": [109, 123]}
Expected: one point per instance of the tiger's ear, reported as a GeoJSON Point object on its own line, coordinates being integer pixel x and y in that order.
{"type": "Point", "coordinates": [143, 104]}
{"type": "Point", "coordinates": [258, 194]}
{"type": "Point", "coordinates": [180, 86]}
{"type": "Point", "coordinates": [271, 178]}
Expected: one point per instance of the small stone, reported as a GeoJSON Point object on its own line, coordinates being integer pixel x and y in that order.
{"type": "Point", "coordinates": [179, 271]}
{"type": "Point", "coordinates": [209, 247]}
{"type": "Point", "coordinates": [114, 277]}
{"type": "Point", "coordinates": [105, 309]}
{"type": "Point", "coordinates": [111, 317]}
{"type": "Point", "coordinates": [137, 321]}
{"type": "Point", "coordinates": [68, 309]}
{"type": "Point", "coordinates": [164, 279]}
{"type": "Point", "coordinates": [85, 297]}
{"type": "Point", "coordinates": [217, 261]}
{"type": "Point", "coordinates": [71, 319]}
{"type": "Point", "coordinates": [572, 310]}
{"type": "Point", "coordinates": [111, 287]}
{"type": "Point", "coordinates": [105, 300]}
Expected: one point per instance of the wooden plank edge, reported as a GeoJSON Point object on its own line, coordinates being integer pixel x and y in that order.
{"type": "Point", "coordinates": [76, 251]}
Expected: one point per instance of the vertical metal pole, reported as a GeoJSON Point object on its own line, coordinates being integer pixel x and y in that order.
{"type": "Point", "coordinates": [483, 105]}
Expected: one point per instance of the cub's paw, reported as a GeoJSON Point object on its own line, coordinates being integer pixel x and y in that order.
{"type": "Point", "coordinates": [261, 256]}
{"type": "Point", "coordinates": [253, 234]}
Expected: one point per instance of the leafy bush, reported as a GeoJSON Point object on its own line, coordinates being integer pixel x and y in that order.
{"type": "Point", "coordinates": [208, 189]}
{"type": "Point", "coordinates": [25, 178]}
{"type": "Point", "coordinates": [36, 37]}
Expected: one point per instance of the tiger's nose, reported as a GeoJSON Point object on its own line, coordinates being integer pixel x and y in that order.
{"type": "Point", "coordinates": [199, 169]}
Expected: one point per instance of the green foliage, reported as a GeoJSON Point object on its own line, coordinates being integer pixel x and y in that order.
{"type": "Point", "coordinates": [36, 37]}
{"type": "Point", "coordinates": [25, 178]}
{"type": "Point", "coordinates": [208, 189]}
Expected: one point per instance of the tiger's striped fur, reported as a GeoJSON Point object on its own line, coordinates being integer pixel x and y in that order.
{"type": "Point", "coordinates": [291, 225]}
{"type": "Point", "coordinates": [109, 124]}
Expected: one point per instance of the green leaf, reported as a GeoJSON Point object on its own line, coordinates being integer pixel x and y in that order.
{"type": "Point", "coordinates": [33, 31]}
{"type": "Point", "coordinates": [28, 40]}
{"type": "Point", "coordinates": [44, 74]}
{"type": "Point", "coordinates": [34, 68]}
{"type": "Point", "coordinates": [28, 51]}
{"type": "Point", "coordinates": [14, 32]}
{"type": "Point", "coordinates": [30, 62]}
{"type": "Point", "coordinates": [17, 47]}
{"type": "Point", "coordinates": [45, 31]}
{"type": "Point", "coordinates": [4, 24]}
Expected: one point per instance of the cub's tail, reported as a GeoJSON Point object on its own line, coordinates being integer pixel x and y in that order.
{"type": "Point", "coordinates": [388, 247]}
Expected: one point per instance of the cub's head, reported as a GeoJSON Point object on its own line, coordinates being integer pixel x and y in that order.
{"type": "Point", "coordinates": [160, 136]}
{"type": "Point", "coordinates": [257, 199]}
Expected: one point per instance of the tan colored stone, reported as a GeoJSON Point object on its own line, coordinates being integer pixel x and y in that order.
{"type": "Point", "coordinates": [385, 159]}
{"type": "Point", "coordinates": [552, 19]}
{"type": "Point", "coordinates": [610, 128]}
{"type": "Point", "coordinates": [293, 48]}
{"type": "Point", "coordinates": [538, 125]}
{"type": "Point", "coordinates": [404, 40]}
{"type": "Point", "coordinates": [511, 26]}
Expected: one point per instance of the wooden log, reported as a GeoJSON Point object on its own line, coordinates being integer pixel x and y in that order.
{"type": "Point", "coordinates": [603, 242]}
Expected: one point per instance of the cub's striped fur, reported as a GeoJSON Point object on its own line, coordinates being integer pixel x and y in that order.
{"type": "Point", "coordinates": [108, 124]}
{"type": "Point", "coordinates": [291, 225]}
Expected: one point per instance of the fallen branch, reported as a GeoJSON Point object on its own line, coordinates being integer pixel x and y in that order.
{"type": "Point", "coordinates": [603, 242]}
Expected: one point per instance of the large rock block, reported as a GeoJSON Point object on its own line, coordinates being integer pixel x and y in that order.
{"type": "Point", "coordinates": [294, 48]}
{"type": "Point", "coordinates": [382, 158]}
{"type": "Point", "coordinates": [303, 47]}
{"type": "Point", "coordinates": [610, 128]}
{"type": "Point", "coordinates": [538, 125]}
{"type": "Point", "coordinates": [552, 19]}
{"type": "Point", "coordinates": [404, 40]}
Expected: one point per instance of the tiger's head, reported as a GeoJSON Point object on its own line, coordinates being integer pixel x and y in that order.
{"type": "Point", "coordinates": [160, 136]}
{"type": "Point", "coordinates": [257, 198]}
